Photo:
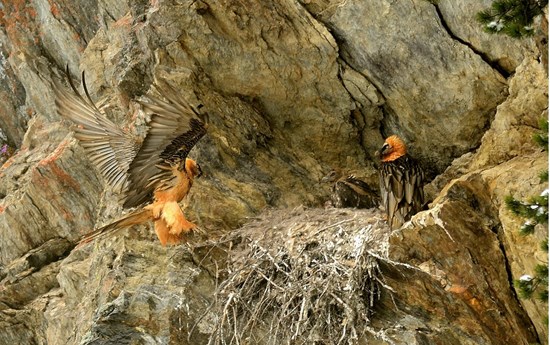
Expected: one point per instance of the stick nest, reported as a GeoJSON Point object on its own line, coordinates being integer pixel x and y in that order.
{"type": "Point", "coordinates": [301, 277]}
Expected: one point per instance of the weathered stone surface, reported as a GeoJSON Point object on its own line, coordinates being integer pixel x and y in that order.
{"type": "Point", "coordinates": [512, 130]}
{"type": "Point", "coordinates": [517, 118]}
{"type": "Point", "coordinates": [13, 114]}
{"type": "Point", "coordinates": [509, 163]}
{"type": "Point", "coordinates": [440, 95]}
{"type": "Point", "coordinates": [293, 89]}
{"type": "Point", "coordinates": [32, 275]}
{"type": "Point", "coordinates": [457, 245]}
{"type": "Point", "coordinates": [43, 200]}
{"type": "Point", "coordinates": [132, 291]}
{"type": "Point", "coordinates": [519, 177]}
{"type": "Point", "coordinates": [502, 52]}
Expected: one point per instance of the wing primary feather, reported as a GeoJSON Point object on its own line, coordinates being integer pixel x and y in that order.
{"type": "Point", "coordinates": [174, 129]}
{"type": "Point", "coordinates": [106, 145]}
{"type": "Point", "coordinates": [86, 91]}
{"type": "Point", "coordinates": [70, 79]}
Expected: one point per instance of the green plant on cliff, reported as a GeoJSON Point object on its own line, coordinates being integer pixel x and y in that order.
{"type": "Point", "coordinates": [535, 211]}
{"type": "Point", "coordinates": [511, 17]}
{"type": "Point", "coordinates": [542, 137]}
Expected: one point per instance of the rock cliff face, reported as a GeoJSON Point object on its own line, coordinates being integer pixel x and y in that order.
{"type": "Point", "coordinates": [294, 89]}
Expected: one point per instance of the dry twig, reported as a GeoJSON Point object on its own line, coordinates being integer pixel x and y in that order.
{"type": "Point", "coordinates": [297, 280]}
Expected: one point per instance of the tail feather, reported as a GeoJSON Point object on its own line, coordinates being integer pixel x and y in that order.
{"type": "Point", "coordinates": [136, 217]}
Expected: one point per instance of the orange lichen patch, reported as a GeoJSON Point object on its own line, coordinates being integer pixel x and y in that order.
{"type": "Point", "coordinates": [466, 295]}
{"type": "Point", "coordinates": [17, 10]}
{"type": "Point", "coordinates": [475, 303]}
{"type": "Point", "coordinates": [18, 20]}
{"type": "Point", "coordinates": [30, 111]}
{"type": "Point", "coordinates": [124, 21]}
{"type": "Point", "coordinates": [55, 154]}
{"type": "Point", "coordinates": [64, 178]}
{"type": "Point", "coordinates": [50, 187]}
{"type": "Point", "coordinates": [54, 9]}
{"type": "Point", "coordinates": [31, 12]}
{"type": "Point", "coordinates": [2, 208]}
{"type": "Point", "coordinates": [66, 214]}
{"type": "Point", "coordinates": [12, 155]}
{"type": "Point", "coordinates": [61, 175]}
{"type": "Point", "coordinates": [457, 289]}
{"type": "Point", "coordinates": [8, 163]}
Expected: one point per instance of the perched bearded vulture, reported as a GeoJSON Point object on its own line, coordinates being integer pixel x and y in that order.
{"type": "Point", "coordinates": [401, 182]}
{"type": "Point", "coordinates": [154, 175]}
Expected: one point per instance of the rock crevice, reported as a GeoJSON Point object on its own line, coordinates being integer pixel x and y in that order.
{"type": "Point", "coordinates": [494, 64]}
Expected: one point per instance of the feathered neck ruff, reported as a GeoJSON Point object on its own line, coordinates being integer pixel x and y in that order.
{"type": "Point", "coordinates": [396, 149]}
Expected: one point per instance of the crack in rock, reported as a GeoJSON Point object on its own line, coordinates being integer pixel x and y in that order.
{"type": "Point", "coordinates": [494, 65]}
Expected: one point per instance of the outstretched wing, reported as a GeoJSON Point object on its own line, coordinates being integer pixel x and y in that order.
{"type": "Point", "coordinates": [107, 146]}
{"type": "Point", "coordinates": [401, 186]}
{"type": "Point", "coordinates": [360, 187]}
{"type": "Point", "coordinates": [175, 127]}
{"type": "Point", "coordinates": [352, 192]}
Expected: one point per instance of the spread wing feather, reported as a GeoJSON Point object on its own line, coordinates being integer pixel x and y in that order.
{"type": "Point", "coordinates": [352, 192]}
{"type": "Point", "coordinates": [360, 187]}
{"type": "Point", "coordinates": [401, 185]}
{"type": "Point", "coordinates": [108, 147]}
{"type": "Point", "coordinates": [175, 128]}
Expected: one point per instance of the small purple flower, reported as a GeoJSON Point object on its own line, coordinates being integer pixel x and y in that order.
{"type": "Point", "coordinates": [4, 149]}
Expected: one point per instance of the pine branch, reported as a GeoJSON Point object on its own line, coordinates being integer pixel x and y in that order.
{"type": "Point", "coordinates": [543, 176]}
{"type": "Point", "coordinates": [544, 245]}
{"type": "Point", "coordinates": [525, 287]}
{"type": "Point", "coordinates": [513, 205]}
{"type": "Point", "coordinates": [536, 212]}
{"type": "Point", "coordinates": [511, 17]}
{"type": "Point", "coordinates": [542, 138]}
{"type": "Point", "coordinates": [527, 228]}
{"type": "Point", "coordinates": [543, 295]}
{"type": "Point", "coordinates": [541, 273]}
